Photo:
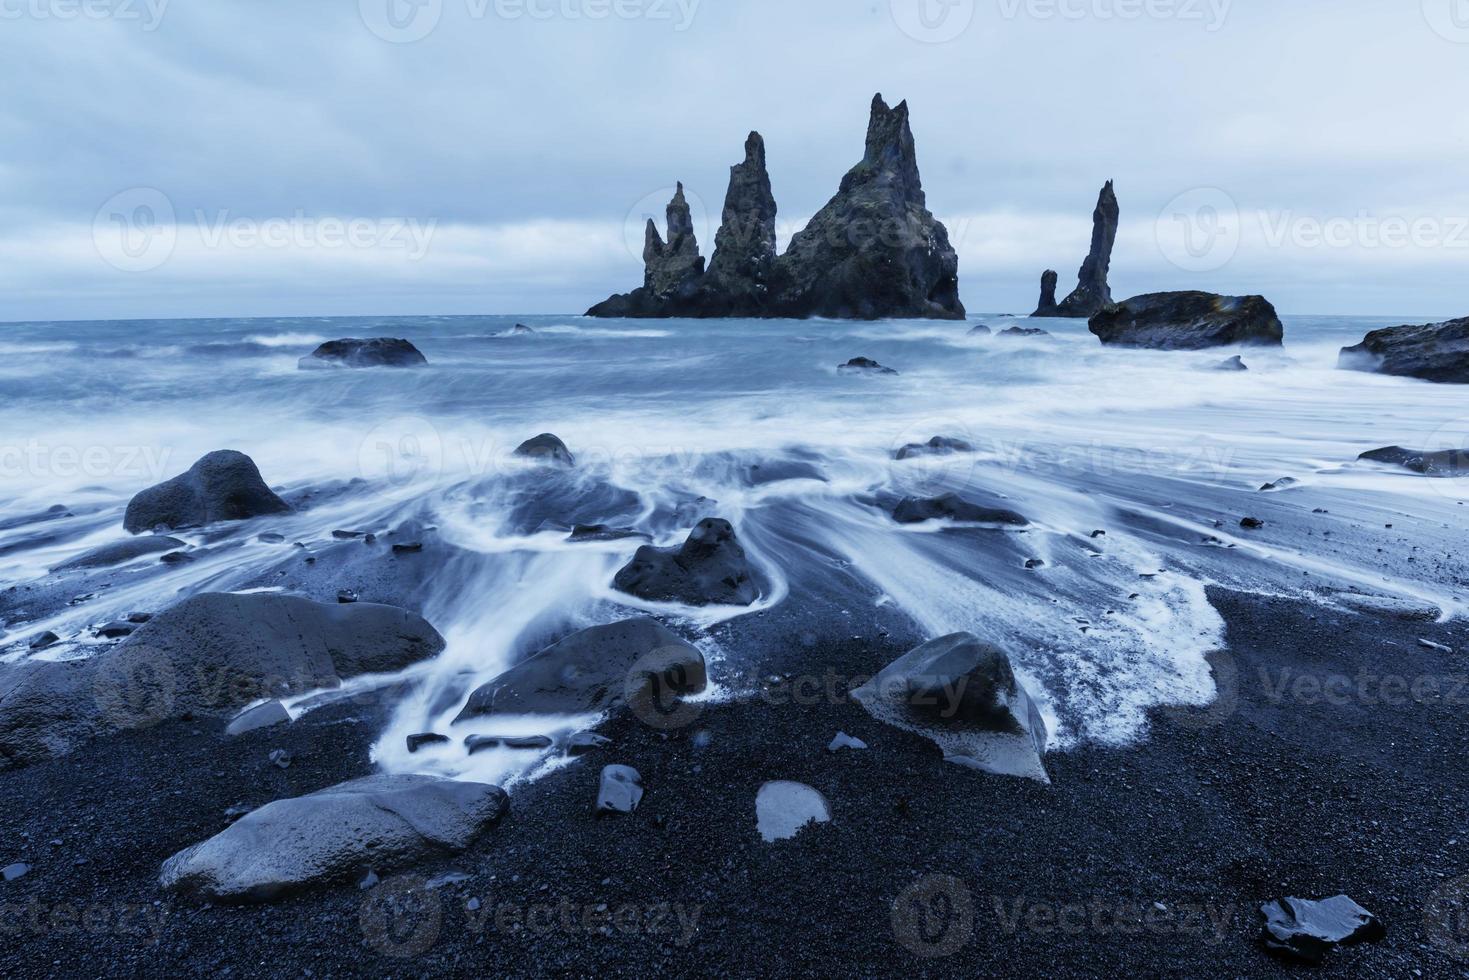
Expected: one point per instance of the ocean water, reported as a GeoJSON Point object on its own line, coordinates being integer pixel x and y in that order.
{"type": "Point", "coordinates": [1158, 450]}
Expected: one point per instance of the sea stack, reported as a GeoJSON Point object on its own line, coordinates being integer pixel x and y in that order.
{"type": "Point", "coordinates": [874, 250]}
{"type": "Point", "coordinates": [1047, 306]}
{"type": "Point", "coordinates": [1092, 293]}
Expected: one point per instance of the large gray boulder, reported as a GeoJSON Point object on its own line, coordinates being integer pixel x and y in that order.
{"type": "Point", "coordinates": [222, 486]}
{"type": "Point", "coordinates": [1092, 294]}
{"type": "Point", "coordinates": [379, 824]}
{"type": "Point", "coordinates": [353, 353]}
{"type": "Point", "coordinates": [1433, 352]}
{"type": "Point", "coordinates": [211, 654]}
{"type": "Point", "coordinates": [963, 694]}
{"type": "Point", "coordinates": [709, 569]}
{"type": "Point", "coordinates": [1188, 321]}
{"type": "Point", "coordinates": [597, 669]}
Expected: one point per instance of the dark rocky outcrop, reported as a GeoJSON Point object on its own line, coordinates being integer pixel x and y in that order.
{"type": "Point", "coordinates": [378, 824]}
{"type": "Point", "coordinates": [211, 654]}
{"type": "Point", "coordinates": [742, 271]}
{"type": "Point", "coordinates": [864, 365]}
{"type": "Point", "coordinates": [980, 330]}
{"type": "Point", "coordinates": [1092, 292]}
{"type": "Point", "coordinates": [1047, 307]}
{"type": "Point", "coordinates": [223, 486]}
{"type": "Point", "coordinates": [353, 353]}
{"type": "Point", "coordinates": [597, 669]}
{"type": "Point", "coordinates": [1025, 332]}
{"type": "Point", "coordinates": [1433, 352]}
{"type": "Point", "coordinates": [1446, 463]}
{"type": "Point", "coordinates": [709, 569]}
{"type": "Point", "coordinates": [937, 446]}
{"type": "Point", "coordinates": [963, 694]}
{"type": "Point", "coordinates": [123, 551]}
{"type": "Point", "coordinates": [1299, 929]}
{"type": "Point", "coordinates": [546, 448]}
{"type": "Point", "coordinates": [952, 507]}
{"type": "Point", "coordinates": [1188, 321]}
{"type": "Point", "coordinates": [873, 251]}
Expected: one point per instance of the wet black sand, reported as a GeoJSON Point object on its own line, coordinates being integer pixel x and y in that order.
{"type": "Point", "coordinates": [1276, 790]}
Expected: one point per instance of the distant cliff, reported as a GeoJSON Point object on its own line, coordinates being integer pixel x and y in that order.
{"type": "Point", "coordinates": [874, 250]}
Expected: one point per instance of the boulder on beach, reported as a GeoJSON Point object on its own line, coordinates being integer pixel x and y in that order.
{"type": "Point", "coordinates": [595, 670]}
{"type": "Point", "coordinates": [874, 250]}
{"type": "Point", "coordinates": [121, 552]}
{"type": "Point", "coordinates": [709, 569]}
{"type": "Point", "coordinates": [963, 694]}
{"type": "Point", "coordinates": [1300, 929]}
{"type": "Point", "coordinates": [353, 353]}
{"type": "Point", "coordinates": [1188, 321]}
{"type": "Point", "coordinates": [619, 790]}
{"type": "Point", "coordinates": [937, 446]}
{"type": "Point", "coordinates": [223, 486]}
{"type": "Point", "coordinates": [1432, 352]}
{"type": "Point", "coordinates": [1444, 464]}
{"type": "Point", "coordinates": [211, 654]}
{"type": "Point", "coordinates": [864, 365]}
{"type": "Point", "coordinates": [546, 448]}
{"type": "Point", "coordinates": [952, 507]}
{"type": "Point", "coordinates": [381, 824]}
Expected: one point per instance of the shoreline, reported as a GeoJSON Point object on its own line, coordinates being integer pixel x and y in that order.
{"type": "Point", "coordinates": [1274, 790]}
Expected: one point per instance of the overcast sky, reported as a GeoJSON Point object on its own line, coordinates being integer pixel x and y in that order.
{"type": "Point", "coordinates": [278, 157]}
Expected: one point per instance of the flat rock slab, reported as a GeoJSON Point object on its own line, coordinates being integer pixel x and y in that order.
{"type": "Point", "coordinates": [1300, 929]}
{"type": "Point", "coordinates": [783, 809]}
{"type": "Point", "coordinates": [354, 353]}
{"type": "Point", "coordinates": [266, 715]}
{"type": "Point", "coordinates": [380, 823]}
{"type": "Point", "coordinates": [122, 551]}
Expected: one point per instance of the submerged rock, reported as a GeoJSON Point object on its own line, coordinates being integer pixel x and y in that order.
{"type": "Point", "coordinates": [709, 569]}
{"type": "Point", "coordinates": [546, 448]}
{"type": "Point", "coordinates": [1235, 363]}
{"type": "Point", "coordinates": [864, 365]}
{"type": "Point", "coordinates": [1445, 464]}
{"type": "Point", "coordinates": [873, 251]}
{"type": "Point", "coordinates": [601, 532]}
{"type": "Point", "coordinates": [223, 486]}
{"type": "Point", "coordinates": [963, 694]}
{"type": "Point", "coordinates": [480, 743]}
{"type": "Point", "coordinates": [620, 790]}
{"type": "Point", "coordinates": [1025, 332]}
{"type": "Point", "coordinates": [779, 471]}
{"type": "Point", "coordinates": [1188, 321]}
{"type": "Point", "coordinates": [416, 742]}
{"type": "Point", "coordinates": [1432, 352]}
{"type": "Point", "coordinates": [979, 330]}
{"type": "Point", "coordinates": [1299, 929]}
{"type": "Point", "coordinates": [380, 823]}
{"type": "Point", "coordinates": [783, 809]}
{"type": "Point", "coordinates": [951, 506]}
{"type": "Point", "coordinates": [595, 670]}
{"type": "Point", "coordinates": [354, 353]}
{"type": "Point", "coordinates": [211, 654]}
{"type": "Point", "coordinates": [122, 551]}
{"type": "Point", "coordinates": [1047, 307]}
{"type": "Point", "coordinates": [937, 446]}
{"type": "Point", "coordinates": [1092, 293]}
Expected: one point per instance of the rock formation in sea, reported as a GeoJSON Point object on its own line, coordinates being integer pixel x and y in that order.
{"type": "Point", "coordinates": [1092, 293]}
{"type": "Point", "coordinates": [1047, 305]}
{"type": "Point", "coordinates": [354, 353]}
{"type": "Point", "coordinates": [1433, 352]}
{"type": "Point", "coordinates": [1188, 321]}
{"type": "Point", "coordinates": [222, 486]}
{"type": "Point", "coordinates": [874, 250]}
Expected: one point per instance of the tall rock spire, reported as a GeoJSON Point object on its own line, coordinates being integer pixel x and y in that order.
{"type": "Point", "coordinates": [744, 247]}
{"type": "Point", "coordinates": [1092, 292]}
{"type": "Point", "coordinates": [1047, 306]}
{"type": "Point", "coordinates": [672, 266]}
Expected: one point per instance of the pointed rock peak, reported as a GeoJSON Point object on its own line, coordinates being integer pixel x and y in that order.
{"type": "Point", "coordinates": [1047, 305]}
{"type": "Point", "coordinates": [890, 155]}
{"type": "Point", "coordinates": [681, 224]}
{"type": "Point", "coordinates": [755, 150]}
{"type": "Point", "coordinates": [652, 241]}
